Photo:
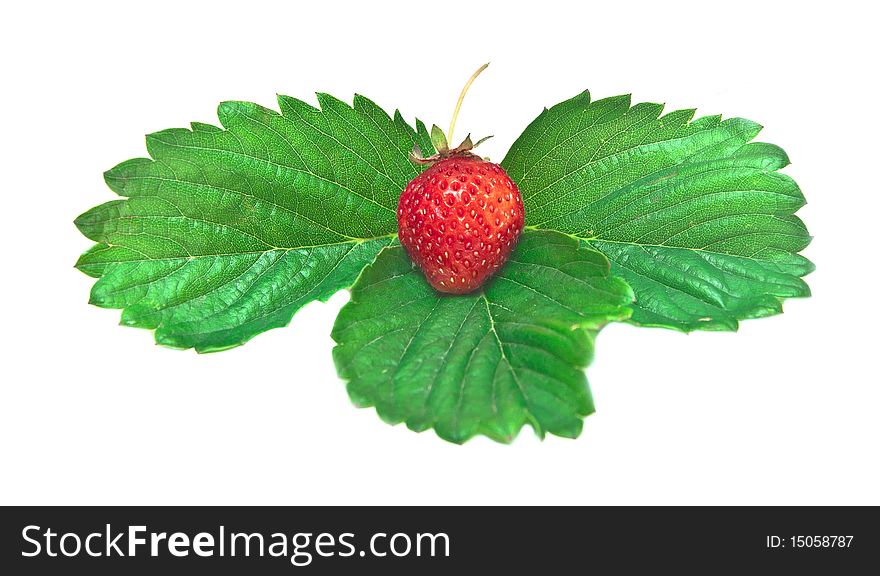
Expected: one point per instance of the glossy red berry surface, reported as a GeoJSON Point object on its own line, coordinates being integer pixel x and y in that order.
{"type": "Point", "coordinates": [459, 220]}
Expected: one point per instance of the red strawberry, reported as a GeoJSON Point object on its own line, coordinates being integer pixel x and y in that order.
{"type": "Point", "coordinates": [459, 220]}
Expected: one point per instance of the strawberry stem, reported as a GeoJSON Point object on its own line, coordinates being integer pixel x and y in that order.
{"type": "Point", "coordinates": [461, 99]}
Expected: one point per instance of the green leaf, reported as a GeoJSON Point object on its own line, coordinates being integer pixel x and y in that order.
{"type": "Point", "coordinates": [691, 213]}
{"type": "Point", "coordinates": [438, 139]}
{"type": "Point", "coordinates": [226, 232]}
{"type": "Point", "coordinates": [483, 363]}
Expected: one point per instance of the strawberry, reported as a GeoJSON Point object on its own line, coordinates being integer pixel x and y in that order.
{"type": "Point", "coordinates": [459, 220]}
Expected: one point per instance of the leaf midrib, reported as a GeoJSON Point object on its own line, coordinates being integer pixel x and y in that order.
{"type": "Point", "coordinates": [721, 309]}
{"type": "Point", "coordinates": [243, 253]}
{"type": "Point", "coordinates": [591, 239]}
{"type": "Point", "coordinates": [292, 211]}
{"type": "Point", "coordinates": [513, 373]}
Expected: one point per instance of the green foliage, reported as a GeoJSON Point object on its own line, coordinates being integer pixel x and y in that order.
{"type": "Point", "coordinates": [631, 215]}
{"type": "Point", "coordinates": [489, 362]}
{"type": "Point", "coordinates": [691, 213]}
{"type": "Point", "coordinates": [225, 233]}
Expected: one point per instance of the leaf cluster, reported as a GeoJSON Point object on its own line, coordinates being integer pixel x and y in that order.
{"type": "Point", "coordinates": [632, 215]}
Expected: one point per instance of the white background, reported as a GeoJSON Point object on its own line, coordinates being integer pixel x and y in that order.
{"type": "Point", "coordinates": [785, 411]}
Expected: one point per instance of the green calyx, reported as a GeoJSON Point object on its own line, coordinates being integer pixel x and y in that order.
{"type": "Point", "coordinates": [440, 143]}
{"type": "Point", "coordinates": [439, 140]}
